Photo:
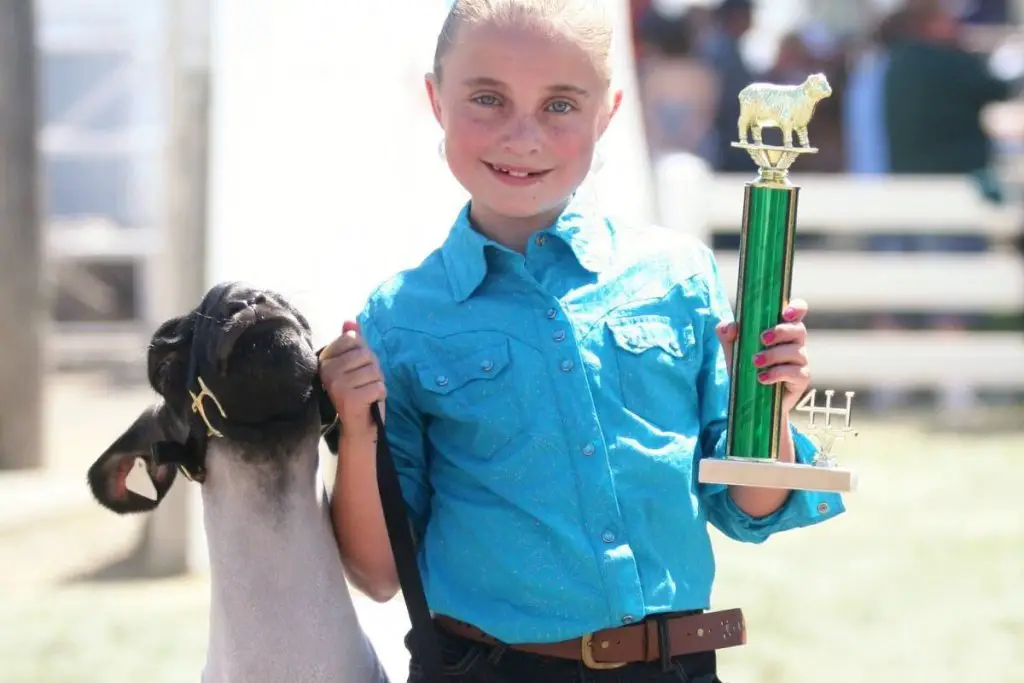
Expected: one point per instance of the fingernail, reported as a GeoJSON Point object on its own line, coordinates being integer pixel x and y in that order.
{"type": "Point", "coordinates": [759, 360]}
{"type": "Point", "coordinates": [768, 337]}
{"type": "Point", "coordinates": [789, 313]}
{"type": "Point", "coordinates": [763, 377]}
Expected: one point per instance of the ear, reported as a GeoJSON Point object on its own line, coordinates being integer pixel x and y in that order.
{"type": "Point", "coordinates": [168, 354]}
{"type": "Point", "coordinates": [614, 102]}
{"type": "Point", "coordinates": [434, 94]}
{"type": "Point", "coordinates": [125, 479]}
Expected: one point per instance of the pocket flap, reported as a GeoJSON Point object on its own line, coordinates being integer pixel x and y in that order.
{"type": "Point", "coordinates": [445, 375]}
{"type": "Point", "coordinates": [640, 333]}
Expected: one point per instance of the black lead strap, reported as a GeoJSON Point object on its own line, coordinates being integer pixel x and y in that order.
{"type": "Point", "coordinates": [424, 637]}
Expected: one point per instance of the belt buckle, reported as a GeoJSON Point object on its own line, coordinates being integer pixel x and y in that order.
{"type": "Point", "coordinates": [587, 654]}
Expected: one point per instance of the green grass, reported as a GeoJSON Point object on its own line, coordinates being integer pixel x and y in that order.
{"type": "Point", "coordinates": [152, 632]}
{"type": "Point", "coordinates": [919, 582]}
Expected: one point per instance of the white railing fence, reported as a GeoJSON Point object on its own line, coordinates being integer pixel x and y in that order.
{"type": "Point", "coordinates": [857, 282]}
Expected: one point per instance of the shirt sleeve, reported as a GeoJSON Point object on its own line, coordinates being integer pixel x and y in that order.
{"type": "Point", "coordinates": [404, 426]}
{"type": "Point", "coordinates": [802, 508]}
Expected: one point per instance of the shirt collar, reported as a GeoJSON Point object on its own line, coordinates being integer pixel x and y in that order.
{"type": "Point", "coordinates": [580, 226]}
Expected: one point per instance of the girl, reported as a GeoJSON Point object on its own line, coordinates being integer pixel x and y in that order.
{"type": "Point", "coordinates": [552, 378]}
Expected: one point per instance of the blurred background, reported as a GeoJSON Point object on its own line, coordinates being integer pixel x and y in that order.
{"type": "Point", "coordinates": [151, 148]}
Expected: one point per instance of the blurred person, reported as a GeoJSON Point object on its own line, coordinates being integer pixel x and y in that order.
{"type": "Point", "coordinates": [934, 94]}
{"type": "Point", "coordinates": [638, 12]}
{"type": "Point", "coordinates": [719, 44]}
{"type": "Point", "coordinates": [864, 129]}
{"type": "Point", "coordinates": [545, 368]}
{"type": "Point", "coordinates": [678, 91]}
{"type": "Point", "coordinates": [793, 62]}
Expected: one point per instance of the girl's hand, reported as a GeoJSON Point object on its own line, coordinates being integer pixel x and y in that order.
{"type": "Point", "coordinates": [784, 355]}
{"type": "Point", "coordinates": [351, 375]}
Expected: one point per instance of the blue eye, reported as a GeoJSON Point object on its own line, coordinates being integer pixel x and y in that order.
{"type": "Point", "coordinates": [486, 100]}
{"type": "Point", "coordinates": [561, 107]}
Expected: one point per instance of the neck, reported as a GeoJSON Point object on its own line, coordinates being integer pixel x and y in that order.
{"type": "Point", "coordinates": [512, 232]}
{"type": "Point", "coordinates": [280, 606]}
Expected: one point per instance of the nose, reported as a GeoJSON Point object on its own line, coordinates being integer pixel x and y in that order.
{"type": "Point", "coordinates": [523, 136]}
{"type": "Point", "coordinates": [238, 305]}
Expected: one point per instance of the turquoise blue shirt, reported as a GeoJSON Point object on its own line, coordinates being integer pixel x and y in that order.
{"type": "Point", "coordinates": [546, 413]}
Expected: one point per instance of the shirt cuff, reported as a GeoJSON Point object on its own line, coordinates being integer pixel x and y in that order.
{"type": "Point", "coordinates": [801, 509]}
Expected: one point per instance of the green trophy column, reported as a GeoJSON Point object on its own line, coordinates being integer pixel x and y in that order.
{"type": "Point", "coordinates": [763, 290]}
{"type": "Point", "coordinates": [765, 269]}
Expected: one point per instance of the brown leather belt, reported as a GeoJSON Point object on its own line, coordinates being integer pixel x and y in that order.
{"type": "Point", "coordinates": [616, 647]}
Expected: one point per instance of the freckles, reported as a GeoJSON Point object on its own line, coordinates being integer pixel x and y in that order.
{"type": "Point", "coordinates": [570, 143]}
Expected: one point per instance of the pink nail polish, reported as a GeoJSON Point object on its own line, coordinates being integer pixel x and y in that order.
{"type": "Point", "coordinates": [759, 360]}
{"type": "Point", "coordinates": [762, 377]}
{"type": "Point", "coordinates": [768, 337]}
{"type": "Point", "coordinates": [789, 313]}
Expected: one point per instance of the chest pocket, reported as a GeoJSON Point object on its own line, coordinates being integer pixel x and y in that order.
{"type": "Point", "coordinates": [474, 400]}
{"type": "Point", "coordinates": [658, 362]}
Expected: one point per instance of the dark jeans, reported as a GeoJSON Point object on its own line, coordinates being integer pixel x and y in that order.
{"type": "Point", "coordinates": [467, 661]}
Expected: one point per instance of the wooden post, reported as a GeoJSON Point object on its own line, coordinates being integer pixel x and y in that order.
{"type": "Point", "coordinates": [23, 305]}
{"type": "Point", "coordinates": [167, 546]}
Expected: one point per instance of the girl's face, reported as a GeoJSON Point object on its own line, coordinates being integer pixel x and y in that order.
{"type": "Point", "coordinates": [522, 110]}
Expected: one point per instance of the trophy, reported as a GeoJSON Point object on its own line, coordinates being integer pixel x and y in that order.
{"type": "Point", "coordinates": [763, 290]}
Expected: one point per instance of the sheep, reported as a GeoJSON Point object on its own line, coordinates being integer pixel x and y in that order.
{"type": "Point", "coordinates": [786, 107]}
{"type": "Point", "coordinates": [241, 414]}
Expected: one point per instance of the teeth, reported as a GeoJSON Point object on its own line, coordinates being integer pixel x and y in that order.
{"type": "Point", "coordinates": [514, 174]}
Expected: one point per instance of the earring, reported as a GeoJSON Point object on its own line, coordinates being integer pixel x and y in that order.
{"type": "Point", "coordinates": [440, 148]}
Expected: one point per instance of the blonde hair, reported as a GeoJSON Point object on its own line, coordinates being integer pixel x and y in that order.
{"type": "Point", "coordinates": [587, 22]}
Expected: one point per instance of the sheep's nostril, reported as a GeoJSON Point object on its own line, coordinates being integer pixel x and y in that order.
{"type": "Point", "coordinates": [236, 307]}
{"type": "Point", "coordinates": [259, 299]}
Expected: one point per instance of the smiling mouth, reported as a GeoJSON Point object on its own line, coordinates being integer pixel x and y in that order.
{"type": "Point", "coordinates": [515, 172]}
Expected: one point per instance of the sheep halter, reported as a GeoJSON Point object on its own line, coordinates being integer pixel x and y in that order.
{"type": "Point", "coordinates": [199, 408]}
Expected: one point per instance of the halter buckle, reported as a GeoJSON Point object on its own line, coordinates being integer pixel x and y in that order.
{"type": "Point", "coordinates": [200, 408]}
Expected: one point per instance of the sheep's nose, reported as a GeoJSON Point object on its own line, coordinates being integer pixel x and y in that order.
{"type": "Point", "coordinates": [236, 307]}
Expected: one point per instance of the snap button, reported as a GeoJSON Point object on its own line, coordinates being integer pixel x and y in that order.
{"type": "Point", "coordinates": [540, 240]}
{"type": "Point", "coordinates": [588, 449]}
{"type": "Point", "coordinates": [627, 619]}
{"type": "Point", "coordinates": [822, 508]}
{"type": "Point", "coordinates": [552, 314]}
{"type": "Point", "coordinates": [441, 380]}
{"type": "Point", "coordinates": [559, 336]}
{"type": "Point", "coordinates": [567, 365]}
{"type": "Point", "coordinates": [608, 536]}
{"type": "Point", "coordinates": [487, 366]}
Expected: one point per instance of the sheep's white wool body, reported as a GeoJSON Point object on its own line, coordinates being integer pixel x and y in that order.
{"type": "Point", "coordinates": [280, 608]}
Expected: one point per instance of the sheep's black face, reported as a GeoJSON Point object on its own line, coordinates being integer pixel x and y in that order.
{"type": "Point", "coordinates": [251, 347]}
{"type": "Point", "coordinates": [247, 352]}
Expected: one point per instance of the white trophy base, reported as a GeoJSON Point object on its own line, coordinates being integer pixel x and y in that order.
{"type": "Point", "coordinates": [772, 474]}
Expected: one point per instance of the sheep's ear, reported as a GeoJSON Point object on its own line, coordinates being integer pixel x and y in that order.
{"type": "Point", "coordinates": [125, 479]}
{"type": "Point", "coordinates": [167, 356]}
